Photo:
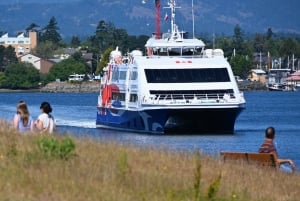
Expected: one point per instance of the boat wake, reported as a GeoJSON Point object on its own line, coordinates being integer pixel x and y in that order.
{"type": "Point", "coordinates": [76, 123]}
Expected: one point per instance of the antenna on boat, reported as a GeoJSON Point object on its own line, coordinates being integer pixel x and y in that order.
{"type": "Point", "coordinates": [172, 6]}
{"type": "Point", "coordinates": [214, 38]}
{"type": "Point", "coordinates": [193, 17]}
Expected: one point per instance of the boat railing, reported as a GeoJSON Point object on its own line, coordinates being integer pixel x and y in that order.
{"type": "Point", "coordinates": [177, 56]}
{"type": "Point", "coordinates": [189, 98]}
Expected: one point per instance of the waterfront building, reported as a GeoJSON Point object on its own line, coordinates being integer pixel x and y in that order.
{"type": "Point", "coordinates": [22, 44]}
{"type": "Point", "coordinates": [257, 75]}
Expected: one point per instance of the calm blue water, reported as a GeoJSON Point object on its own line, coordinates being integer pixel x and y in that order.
{"type": "Point", "coordinates": [76, 113]}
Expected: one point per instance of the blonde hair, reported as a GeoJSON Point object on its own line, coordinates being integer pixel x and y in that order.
{"type": "Point", "coordinates": [22, 110]}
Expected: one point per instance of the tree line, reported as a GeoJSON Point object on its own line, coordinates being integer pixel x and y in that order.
{"type": "Point", "coordinates": [238, 48]}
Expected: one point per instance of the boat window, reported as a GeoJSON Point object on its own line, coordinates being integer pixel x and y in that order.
{"type": "Point", "coordinates": [133, 98]}
{"type": "Point", "coordinates": [122, 75]}
{"type": "Point", "coordinates": [118, 96]}
{"type": "Point", "coordinates": [115, 74]}
{"type": "Point", "coordinates": [187, 75]}
{"type": "Point", "coordinates": [133, 75]}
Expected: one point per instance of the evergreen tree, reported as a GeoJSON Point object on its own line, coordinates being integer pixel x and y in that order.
{"type": "Point", "coordinates": [50, 32]}
{"type": "Point", "coordinates": [7, 57]}
{"type": "Point", "coordinates": [238, 39]}
{"type": "Point", "coordinates": [75, 41]}
{"type": "Point", "coordinates": [269, 34]}
{"type": "Point", "coordinates": [32, 27]}
{"type": "Point", "coordinates": [258, 43]}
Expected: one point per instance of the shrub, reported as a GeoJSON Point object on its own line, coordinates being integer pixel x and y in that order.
{"type": "Point", "coordinates": [51, 147]}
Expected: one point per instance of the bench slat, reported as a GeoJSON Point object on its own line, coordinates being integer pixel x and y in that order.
{"type": "Point", "coordinates": [263, 159]}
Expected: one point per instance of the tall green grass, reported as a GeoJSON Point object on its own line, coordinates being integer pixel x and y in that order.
{"type": "Point", "coordinates": [34, 167]}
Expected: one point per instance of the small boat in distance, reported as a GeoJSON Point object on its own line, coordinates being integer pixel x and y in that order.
{"type": "Point", "coordinates": [177, 87]}
{"type": "Point", "coordinates": [276, 87]}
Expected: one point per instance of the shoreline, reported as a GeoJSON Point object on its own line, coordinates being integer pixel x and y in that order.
{"type": "Point", "coordinates": [19, 90]}
{"type": "Point", "coordinates": [94, 87]}
{"type": "Point", "coordinates": [60, 87]}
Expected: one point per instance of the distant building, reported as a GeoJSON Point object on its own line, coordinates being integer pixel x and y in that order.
{"type": "Point", "coordinates": [257, 75]}
{"type": "Point", "coordinates": [65, 53]}
{"type": "Point", "coordinates": [21, 43]}
{"type": "Point", "coordinates": [43, 65]}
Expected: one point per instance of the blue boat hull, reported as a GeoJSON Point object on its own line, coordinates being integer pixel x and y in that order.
{"type": "Point", "coordinates": [169, 121]}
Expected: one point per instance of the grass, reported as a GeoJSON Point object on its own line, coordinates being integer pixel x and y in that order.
{"type": "Point", "coordinates": [108, 171]}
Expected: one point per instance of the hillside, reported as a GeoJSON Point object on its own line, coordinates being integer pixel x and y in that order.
{"type": "Point", "coordinates": [137, 18]}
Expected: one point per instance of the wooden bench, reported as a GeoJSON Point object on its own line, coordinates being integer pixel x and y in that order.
{"type": "Point", "coordinates": [261, 159]}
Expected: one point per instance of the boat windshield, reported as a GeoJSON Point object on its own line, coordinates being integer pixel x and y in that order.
{"type": "Point", "coordinates": [187, 75]}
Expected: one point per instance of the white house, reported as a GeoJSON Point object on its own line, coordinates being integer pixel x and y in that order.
{"type": "Point", "coordinates": [34, 60]}
{"type": "Point", "coordinates": [43, 65]}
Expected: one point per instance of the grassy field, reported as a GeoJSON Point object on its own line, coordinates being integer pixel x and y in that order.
{"type": "Point", "coordinates": [44, 168]}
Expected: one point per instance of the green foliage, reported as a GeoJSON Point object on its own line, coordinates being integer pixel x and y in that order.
{"type": "Point", "coordinates": [52, 148]}
{"type": "Point", "coordinates": [197, 176]}
{"type": "Point", "coordinates": [51, 32]}
{"type": "Point", "coordinates": [104, 60]}
{"type": "Point", "coordinates": [7, 57]}
{"type": "Point", "coordinates": [122, 166]}
{"type": "Point", "coordinates": [32, 27]}
{"type": "Point", "coordinates": [21, 76]}
{"type": "Point", "coordinates": [45, 49]}
{"type": "Point", "coordinates": [240, 65]}
{"type": "Point", "coordinates": [213, 188]}
{"type": "Point", "coordinates": [63, 69]}
{"type": "Point", "coordinates": [107, 35]}
{"type": "Point", "coordinates": [2, 79]}
{"type": "Point", "coordinates": [75, 41]}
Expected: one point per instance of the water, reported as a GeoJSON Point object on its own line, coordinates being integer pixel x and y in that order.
{"type": "Point", "coordinates": [76, 113]}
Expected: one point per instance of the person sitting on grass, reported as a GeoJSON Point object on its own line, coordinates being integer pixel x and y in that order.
{"type": "Point", "coordinates": [22, 120]}
{"type": "Point", "coordinates": [45, 122]}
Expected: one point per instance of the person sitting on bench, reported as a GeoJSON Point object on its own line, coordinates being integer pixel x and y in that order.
{"type": "Point", "coordinates": [268, 146]}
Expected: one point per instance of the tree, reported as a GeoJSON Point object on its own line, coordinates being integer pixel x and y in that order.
{"type": "Point", "coordinates": [75, 41]}
{"type": "Point", "coordinates": [240, 65]}
{"type": "Point", "coordinates": [226, 45]}
{"type": "Point", "coordinates": [45, 49]}
{"type": "Point", "coordinates": [32, 27]}
{"type": "Point", "coordinates": [269, 34]}
{"type": "Point", "coordinates": [50, 32]}
{"type": "Point", "coordinates": [63, 69]}
{"type": "Point", "coordinates": [21, 76]}
{"type": "Point", "coordinates": [258, 43]}
{"type": "Point", "coordinates": [238, 40]}
{"type": "Point", "coordinates": [104, 35]}
{"type": "Point", "coordinates": [104, 60]}
{"type": "Point", "coordinates": [7, 57]}
{"type": "Point", "coordinates": [289, 47]}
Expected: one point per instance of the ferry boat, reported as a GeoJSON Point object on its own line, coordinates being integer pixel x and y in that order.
{"type": "Point", "coordinates": [177, 87]}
